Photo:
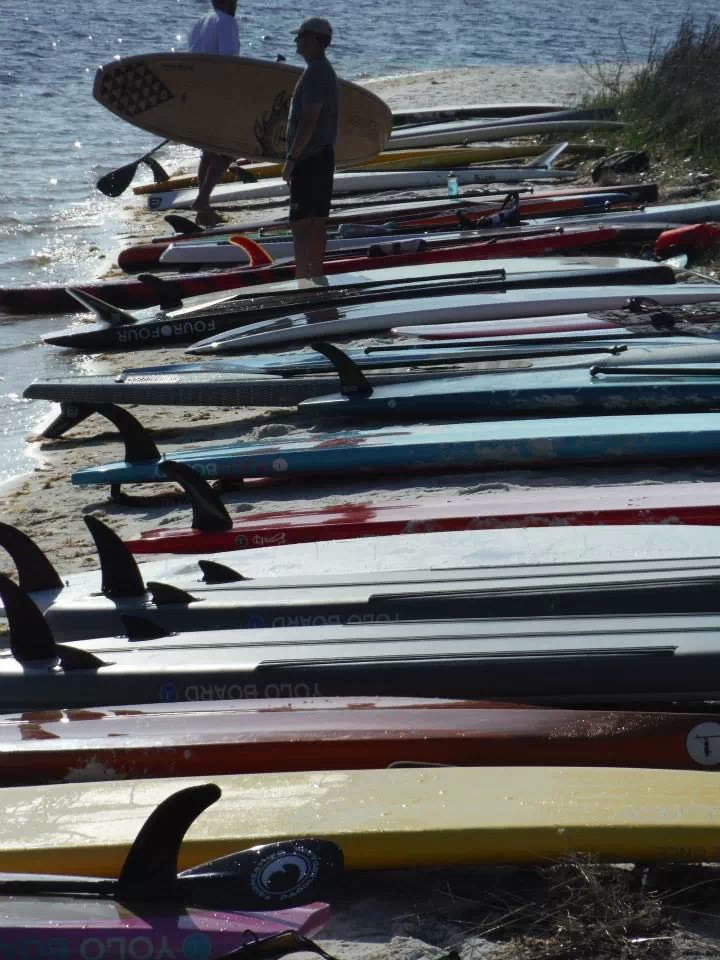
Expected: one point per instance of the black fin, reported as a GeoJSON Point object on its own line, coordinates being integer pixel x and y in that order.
{"type": "Point", "coordinates": [164, 593]}
{"type": "Point", "coordinates": [140, 628]}
{"type": "Point", "coordinates": [105, 312]}
{"type": "Point", "coordinates": [75, 658]}
{"type": "Point", "coordinates": [31, 638]}
{"type": "Point", "coordinates": [160, 174]}
{"type": "Point", "coordinates": [34, 570]}
{"type": "Point", "coordinates": [280, 945]}
{"type": "Point", "coordinates": [168, 291]}
{"type": "Point", "coordinates": [353, 381]}
{"type": "Point", "coordinates": [182, 225]}
{"type": "Point", "coordinates": [71, 414]}
{"type": "Point", "coordinates": [121, 575]}
{"type": "Point", "coordinates": [209, 513]}
{"type": "Point", "coordinates": [244, 176]}
{"type": "Point", "coordinates": [139, 445]}
{"type": "Point", "coordinates": [214, 572]}
{"type": "Point", "coordinates": [151, 862]}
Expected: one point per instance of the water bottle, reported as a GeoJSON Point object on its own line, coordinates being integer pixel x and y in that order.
{"type": "Point", "coordinates": [452, 184]}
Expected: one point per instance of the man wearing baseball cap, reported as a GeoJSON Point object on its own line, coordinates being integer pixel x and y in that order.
{"type": "Point", "coordinates": [311, 135]}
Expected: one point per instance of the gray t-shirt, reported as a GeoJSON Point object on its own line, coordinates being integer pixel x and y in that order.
{"type": "Point", "coordinates": [318, 84]}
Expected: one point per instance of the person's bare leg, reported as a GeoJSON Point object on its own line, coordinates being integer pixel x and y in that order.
{"type": "Point", "coordinates": [212, 167]}
{"type": "Point", "coordinates": [301, 231]}
{"type": "Point", "coordinates": [317, 240]}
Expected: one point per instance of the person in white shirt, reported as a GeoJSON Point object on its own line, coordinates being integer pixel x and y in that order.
{"type": "Point", "coordinates": [217, 33]}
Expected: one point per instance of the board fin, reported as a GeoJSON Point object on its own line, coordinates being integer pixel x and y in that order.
{"type": "Point", "coordinates": [259, 257]}
{"type": "Point", "coordinates": [137, 629]}
{"type": "Point", "coordinates": [166, 593]}
{"type": "Point", "coordinates": [139, 446]}
{"type": "Point", "coordinates": [183, 225]}
{"type": "Point", "coordinates": [208, 511]}
{"type": "Point", "coordinates": [34, 569]}
{"type": "Point", "coordinates": [160, 174]}
{"type": "Point", "coordinates": [546, 160]}
{"type": "Point", "coordinates": [120, 573]}
{"type": "Point", "coordinates": [244, 176]}
{"type": "Point", "coordinates": [105, 312]}
{"type": "Point", "coordinates": [71, 414]}
{"type": "Point", "coordinates": [353, 382]}
{"type": "Point", "coordinates": [168, 292]}
{"type": "Point", "coordinates": [279, 945]}
{"type": "Point", "coordinates": [214, 572]}
{"type": "Point", "coordinates": [151, 863]}
{"type": "Point", "coordinates": [31, 639]}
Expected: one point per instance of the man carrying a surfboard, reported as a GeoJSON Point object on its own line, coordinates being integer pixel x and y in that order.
{"type": "Point", "coordinates": [217, 32]}
{"type": "Point", "coordinates": [311, 135]}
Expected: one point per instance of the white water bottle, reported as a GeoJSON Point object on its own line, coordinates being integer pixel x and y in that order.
{"type": "Point", "coordinates": [452, 185]}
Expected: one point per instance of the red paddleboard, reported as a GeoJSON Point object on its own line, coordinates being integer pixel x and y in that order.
{"type": "Point", "coordinates": [143, 256]}
{"type": "Point", "coordinates": [684, 503]}
{"type": "Point", "coordinates": [258, 736]}
{"type": "Point", "coordinates": [135, 294]}
{"type": "Point", "coordinates": [509, 328]}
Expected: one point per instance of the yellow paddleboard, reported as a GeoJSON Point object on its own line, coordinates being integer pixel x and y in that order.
{"type": "Point", "coordinates": [382, 818]}
{"type": "Point", "coordinates": [422, 158]}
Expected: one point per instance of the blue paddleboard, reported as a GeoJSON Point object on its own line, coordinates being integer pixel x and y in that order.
{"type": "Point", "coordinates": [440, 447]}
{"type": "Point", "coordinates": [601, 388]}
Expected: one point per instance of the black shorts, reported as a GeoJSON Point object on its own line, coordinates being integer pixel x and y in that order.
{"type": "Point", "coordinates": [311, 185]}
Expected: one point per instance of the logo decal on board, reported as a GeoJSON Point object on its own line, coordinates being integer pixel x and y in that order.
{"type": "Point", "coordinates": [131, 89]}
{"type": "Point", "coordinates": [284, 874]}
{"type": "Point", "coordinates": [703, 744]}
{"type": "Point", "coordinates": [270, 128]}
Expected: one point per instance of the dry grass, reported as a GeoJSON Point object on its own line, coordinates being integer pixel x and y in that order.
{"type": "Point", "coordinates": [671, 103]}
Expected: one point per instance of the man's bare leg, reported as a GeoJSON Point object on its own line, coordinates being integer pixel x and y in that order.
{"type": "Point", "coordinates": [212, 167]}
{"type": "Point", "coordinates": [309, 238]}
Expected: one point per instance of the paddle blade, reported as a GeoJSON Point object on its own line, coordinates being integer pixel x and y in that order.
{"type": "Point", "coordinates": [116, 182]}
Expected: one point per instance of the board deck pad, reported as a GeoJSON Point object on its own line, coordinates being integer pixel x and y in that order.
{"type": "Point", "coordinates": [189, 97]}
{"type": "Point", "coordinates": [402, 818]}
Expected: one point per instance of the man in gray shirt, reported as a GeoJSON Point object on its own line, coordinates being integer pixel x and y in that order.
{"type": "Point", "coordinates": [311, 135]}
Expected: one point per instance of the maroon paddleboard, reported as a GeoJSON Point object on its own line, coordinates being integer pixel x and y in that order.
{"type": "Point", "coordinates": [686, 503]}
{"type": "Point", "coordinates": [208, 738]}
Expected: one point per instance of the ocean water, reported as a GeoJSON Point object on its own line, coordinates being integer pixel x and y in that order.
{"type": "Point", "coordinates": [56, 141]}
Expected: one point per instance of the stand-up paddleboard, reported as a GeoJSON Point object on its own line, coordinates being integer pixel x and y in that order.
{"type": "Point", "coordinates": [553, 660]}
{"type": "Point", "coordinates": [425, 158]}
{"type": "Point", "coordinates": [464, 132]}
{"type": "Point", "coordinates": [440, 112]}
{"type": "Point", "coordinates": [429, 448]}
{"type": "Point", "coordinates": [233, 382]}
{"type": "Point", "coordinates": [607, 386]}
{"type": "Point", "coordinates": [227, 600]}
{"type": "Point", "coordinates": [407, 818]}
{"type": "Point", "coordinates": [231, 105]}
{"type": "Point", "coordinates": [489, 387]}
{"type": "Point", "coordinates": [366, 181]}
{"type": "Point", "coordinates": [361, 320]}
{"type": "Point", "coordinates": [114, 328]}
{"type": "Point", "coordinates": [694, 211]}
{"type": "Point", "coordinates": [169, 292]}
{"type": "Point", "coordinates": [551, 556]}
{"type": "Point", "coordinates": [269, 736]}
{"type": "Point", "coordinates": [683, 503]}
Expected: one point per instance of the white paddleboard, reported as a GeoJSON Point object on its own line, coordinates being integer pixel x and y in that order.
{"type": "Point", "coordinates": [361, 319]}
